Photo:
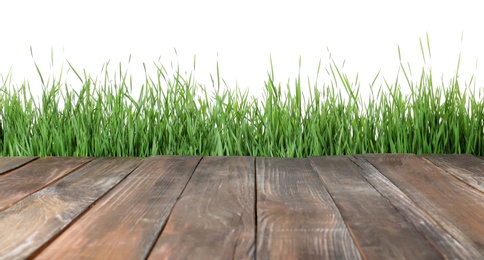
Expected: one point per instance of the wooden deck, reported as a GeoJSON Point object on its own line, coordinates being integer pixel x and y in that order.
{"type": "Point", "coordinates": [178, 207]}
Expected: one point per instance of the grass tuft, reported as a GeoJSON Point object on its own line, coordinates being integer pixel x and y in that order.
{"type": "Point", "coordinates": [174, 115]}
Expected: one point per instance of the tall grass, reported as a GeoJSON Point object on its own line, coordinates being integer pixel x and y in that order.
{"type": "Point", "coordinates": [174, 115]}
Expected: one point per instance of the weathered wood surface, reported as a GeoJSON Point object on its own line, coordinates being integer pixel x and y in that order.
{"type": "Point", "coordinates": [297, 219]}
{"type": "Point", "coordinates": [135, 210]}
{"type": "Point", "coordinates": [379, 227]}
{"type": "Point", "coordinates": [400, 206]}
{"type": "Point", "coordinates": [447, 244]}
{"type": "Point", "coordinates": [466, 168]}
{"type": "Point", "coordinates": [214, 217]}
{"type": "Point", "coordinates": [22, 182]}
{"type": "Point", "coordinates": [11, 163]}
{"type": "Point", "coordinates": [451, 203]}
{"type": "Point", "coordinates": [34, 221]}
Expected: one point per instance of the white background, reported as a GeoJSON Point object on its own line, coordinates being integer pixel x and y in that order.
{"type": "Point", "coordinates": [241, 35]}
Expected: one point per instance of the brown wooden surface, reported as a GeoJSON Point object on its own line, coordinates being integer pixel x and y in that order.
{"type": "Point", "coordinates": [22, 182]}
{"type": "Point", "coordinates": [297, 218]}
{"type": "Point", "coordinates": [380, 229]}
{"type": "Point", "coordinates": [465, 167]}
{"type": "Point", "coordinates": [135, 210]}
{"type": "Point", "coordinates": [214, 218]}
{"type": "Point", "coordinates": [391, 206]}
{"type": "Point", "coordinates": [445, 242]}
{"type": "Point", "coordinates": [34, 221]}
{"type": "Point", "coordinates": [455, 206]}
{"type": "Point", "coordinates": [11, 163]}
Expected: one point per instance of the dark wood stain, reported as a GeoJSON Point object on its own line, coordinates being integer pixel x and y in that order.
{"type": "Point", "coordinates": [464, 167]}
{"type": "Point", "coordinates": [34, 221]}
{"type": "Point", "coordinates": [386, 206]}
{"type": "Point", "coordinates": [379, 228]}
{"type": "Point", "coordinates": [135, 210]}
{"type": "Point", "coordinates": [445, 242]}
{"type": "Point", "coordinates": [22, 182]}
{"type": "Point", "coordinates": [297, 218]}
{"type": "Point", "coordinates": [10, 163]}
{"type": "Point", "coordinates": [452, 204]}
{"type": "Point", "coordinates": [214, 217]}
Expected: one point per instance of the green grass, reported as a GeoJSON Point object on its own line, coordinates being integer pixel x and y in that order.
{"type": "Point", "coordinates": [174, 115]}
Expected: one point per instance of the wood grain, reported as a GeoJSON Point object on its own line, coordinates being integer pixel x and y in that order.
{"type": "Point", "coordinates": [296, 217]}
{"type": "Point", "coordinates": [215, 216]}
{"type": "Point", "coordinates": [353, 207]}
{"type": "Point", "coordinates": [464, 167]}
{"type": "Point", "coordinates": [377, 226]}
{"type": "Point", "coordinates": [11, 163]}
{"type": "Point", "coordinates": [126, 222]}
{"type": "Point", "coordinates": [34, 176]}
{"type": "Point", "coordinates": [445, 242]}
{"type": "Point", "coordinates": [32, 222]}
{"type": "Point", "coordinates": [449, 203]}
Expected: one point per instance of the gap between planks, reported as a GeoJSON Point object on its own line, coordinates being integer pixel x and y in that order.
{"type": "Point", "coordinates": [254, 208]}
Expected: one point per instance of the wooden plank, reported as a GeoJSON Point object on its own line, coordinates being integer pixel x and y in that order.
{"type": "Point", "coordinates": [215, 216]}
{"type": "Point", "coordinates": [126, 222]}
{"type": "Point", "coordinates": [34, 176]}
{"type": "Point", "coordinates": [296, 217]}
{"type": "Point", "coordinates": [32, 222]}
{"type": "Point", "coordinates": [378, 228]}
{"type": "Point", "coordinates": [453, 205]}
{"type": "Point", "coordinates": [445, 242]}
{"type": "Point", "coordinates": [10, 163]}
{"type": "Point", "coordinates": [464, 167]}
